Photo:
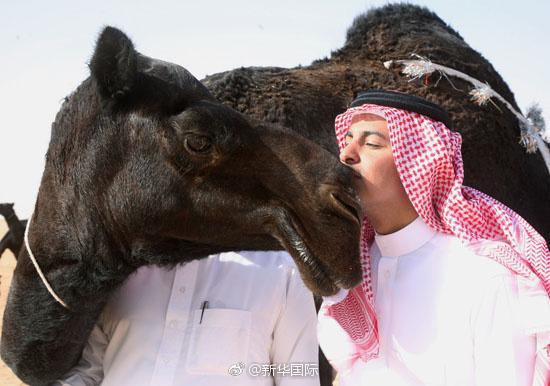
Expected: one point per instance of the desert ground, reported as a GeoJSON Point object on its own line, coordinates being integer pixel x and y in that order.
{"type": "Point", "coordinates": [7, 264]}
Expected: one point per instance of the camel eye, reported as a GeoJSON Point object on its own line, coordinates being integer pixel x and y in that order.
{"type": "Point", "coordinates": [196, 143]}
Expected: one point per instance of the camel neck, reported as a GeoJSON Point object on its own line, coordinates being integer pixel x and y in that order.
{"type": "Point", "coordinates": [79, 261]}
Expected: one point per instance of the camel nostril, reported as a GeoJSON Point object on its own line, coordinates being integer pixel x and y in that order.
{"type": "Point", "coordinates": [347, 205]}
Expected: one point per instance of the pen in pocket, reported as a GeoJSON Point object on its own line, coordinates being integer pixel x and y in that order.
{"type": "Point", "coordinates": [204, 306]}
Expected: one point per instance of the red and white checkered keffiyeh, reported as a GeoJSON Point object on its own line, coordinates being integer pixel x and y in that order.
{"type": "Point", "coordinates": [429, 162]}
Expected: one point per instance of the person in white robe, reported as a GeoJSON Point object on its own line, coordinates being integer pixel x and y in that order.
{"type": "Point", "coordinates": [235, 318]}
{"type": "Point", "coordinates": [455, 287]}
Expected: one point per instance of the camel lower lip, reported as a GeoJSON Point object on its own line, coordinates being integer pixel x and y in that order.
{"type": "Point", "coordinates": [293, 242]}
{"type": "Point", "coordinates": [349, 210]}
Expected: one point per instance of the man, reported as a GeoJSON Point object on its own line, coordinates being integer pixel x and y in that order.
{"type": "Point", "coordinates": [455, 288]}
{"type": "Point", "coordinates": [237, 318]}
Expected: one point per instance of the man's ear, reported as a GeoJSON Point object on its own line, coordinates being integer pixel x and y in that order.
{"type": "Point", "coordinates": [114, 63]}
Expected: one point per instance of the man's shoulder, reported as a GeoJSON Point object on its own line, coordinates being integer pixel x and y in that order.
{"type": "Point", "coordinates": [472, 257]}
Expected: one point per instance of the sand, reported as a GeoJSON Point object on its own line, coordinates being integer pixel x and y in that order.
{"type": "Point", "coordinates": [7, 264]}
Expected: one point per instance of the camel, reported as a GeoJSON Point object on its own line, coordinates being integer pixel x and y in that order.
{"type": "Point", "coordinates": [302, 100]}
{"type": "Point", "coordinates": [13, 239]}
{"type": "Point", "coordinates": [307, 99]}
{"type": "Point", "coordinates": [145, 167]}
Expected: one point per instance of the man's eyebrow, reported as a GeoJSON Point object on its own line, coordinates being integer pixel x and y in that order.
{"type": "Point", "coordinates": [366, 133]}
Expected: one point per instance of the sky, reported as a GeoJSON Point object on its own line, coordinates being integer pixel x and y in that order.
{"type": "Point", "coordinates": [45, 48]}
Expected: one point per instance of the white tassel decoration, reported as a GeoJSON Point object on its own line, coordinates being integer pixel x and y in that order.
{"type": "Point", "coordinates": [531, 126]}
{"type": "Point", "coordinates": [482, 95]}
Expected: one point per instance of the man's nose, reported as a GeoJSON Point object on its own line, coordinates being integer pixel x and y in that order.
{"type": "Point", "coordinates": [349, 155]}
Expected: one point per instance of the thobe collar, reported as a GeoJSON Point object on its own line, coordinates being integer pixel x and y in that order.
{"type": "Point", "coordinates": [405, 240]}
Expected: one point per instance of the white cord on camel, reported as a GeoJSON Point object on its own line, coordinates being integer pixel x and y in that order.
{"type": "Point", "coordinates": [481, 94]}
{"type": "Point", "coordinates": [40, 273]}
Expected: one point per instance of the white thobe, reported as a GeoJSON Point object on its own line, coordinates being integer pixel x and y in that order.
{"type": "Point", "coordinates": [155, 331]}
{"type": "Point", "coordinates": [446, 316]}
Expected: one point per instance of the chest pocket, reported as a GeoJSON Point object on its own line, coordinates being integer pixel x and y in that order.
{"type": "Point", "coordinates": [219, 341]}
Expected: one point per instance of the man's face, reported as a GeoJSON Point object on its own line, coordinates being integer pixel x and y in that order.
{"type": "Point", "coordinates": [368, 152]}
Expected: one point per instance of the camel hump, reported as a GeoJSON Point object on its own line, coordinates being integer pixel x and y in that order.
{"type": "Point", "coordinates": [6, 209]}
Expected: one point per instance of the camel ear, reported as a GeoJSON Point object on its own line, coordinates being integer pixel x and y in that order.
{"type": "Point", "coordinates": [114, 63]}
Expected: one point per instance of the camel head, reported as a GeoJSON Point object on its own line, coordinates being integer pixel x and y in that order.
{"type": "Point", "coordinates": [143, 151]}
